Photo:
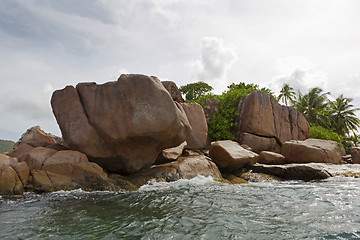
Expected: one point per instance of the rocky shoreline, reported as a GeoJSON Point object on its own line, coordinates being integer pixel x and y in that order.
{"type": "Point", "coordinates": [119, 135]}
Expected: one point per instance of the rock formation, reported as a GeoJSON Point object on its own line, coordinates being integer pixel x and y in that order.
{"type": "Point", "coordinates": [14, 176]}
{"type": "Point", "coordinates": [121, 125]}
{"type": "Point", "coordinates": [292, 171]}
{"type": "Point", "coordinates": [312, 150]}
{"type": "Point", "coordinates": [210, 106]}
{"type": "Point", "coordinates": [173, 90]}
{"type": "Point", "coordinates": [266, 157]}
{"type": "Point", "coordinates": [198, 136]}
{"type": "Point", "coordinates": [265, 125]}
{"type": "Point", "coordinates": [229, 156]}
{"type": "Point", "coordinates": [170, 154]}
{"type": "Point", "coordinates": [355, 155]}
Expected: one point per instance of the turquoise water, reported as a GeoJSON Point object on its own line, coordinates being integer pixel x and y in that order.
{"type": "Point", "coordinates": [190, 209]}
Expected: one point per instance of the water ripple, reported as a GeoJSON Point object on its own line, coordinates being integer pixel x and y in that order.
{"type": "Point", "coordinates": [190, 209]}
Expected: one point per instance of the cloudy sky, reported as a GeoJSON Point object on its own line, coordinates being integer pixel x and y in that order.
{"type": "Point", "coordinates": [48, 44]}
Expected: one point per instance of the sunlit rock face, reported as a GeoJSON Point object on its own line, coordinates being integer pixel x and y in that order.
{"type": "Point", "coordinates": [264, 124]}
{"type": "Point", "coordinates": [121, 125]}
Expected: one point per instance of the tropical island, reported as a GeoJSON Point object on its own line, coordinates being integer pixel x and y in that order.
{"type": "Point", "coordinates": [147, 131]}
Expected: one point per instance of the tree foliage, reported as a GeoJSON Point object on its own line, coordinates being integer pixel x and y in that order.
{"type": "Point", "coordinates": [223, 122]}
{"type": "Point", "coordinates": [195, 90]}
{"type": "Point", "coordinates": [6, 146]}
{"type": "Point", "coordinates": [314, 106]}
{"type": "Point", "coordinates": [286, 93]}
{"type": "Point", "coordinates": [342, 115]}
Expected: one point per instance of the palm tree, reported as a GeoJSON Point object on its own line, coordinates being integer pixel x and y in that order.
{"type": "Point", "coordinates": [286, 93]}
{"type": "Point", "coordinates": [342, 114]}
{"type": "Point", "coordinates": [355, 139]}
{"type": "Point", "coordinates": [314, 106]}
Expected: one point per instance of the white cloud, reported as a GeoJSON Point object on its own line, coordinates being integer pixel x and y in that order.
{"type": "Point", "coordinates": [299, 73]}
{"type": "Point", "coordinates": [217, 57]}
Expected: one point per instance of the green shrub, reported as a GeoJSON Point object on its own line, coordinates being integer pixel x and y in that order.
{"type": "Point", "coordinates": [319, 132]}
{"type": "Point", "coordinates": [6, 146]}
{"type": "Point", "coordinates": [223, 122]}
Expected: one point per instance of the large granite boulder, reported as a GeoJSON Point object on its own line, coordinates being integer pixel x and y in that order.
{"type": "Point", "coordinates": [312, 150]}
{"type": "Point", "coordinates": [229, 156]}
{"type": "Point", "coordinates": [293, 171]}
{"type": "Point", "coordinates": [262, 119]}
{"type": "Point", "coordinates": [173, 90]}
{"type": "Point", "coordinates": [14, 176]}
{"type": "Point", "coordinates": [183, 168]}
{"type": "Point", "coordinates": [121, 125]}
{"type": "Point", "coordinates": [210, 106]}
{"type": "Point", "coordinates": [355, 155]}
{"type": "Point", "coordinates": [198, 136]}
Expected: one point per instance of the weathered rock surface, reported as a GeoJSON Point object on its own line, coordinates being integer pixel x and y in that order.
{"type": "Point", "coordinates": [264, 120]}
{"type": "Point", "coordinates": [266, 157]}
{"type": "Point", "coordinates": [121, 125]}
{"type": "Point", "coordinates": [33, 137]}
{"type": "Point", "coordinates": [198, 136]}
{"type": "Point", "coordinates": [229, 156]}
{"type": "Point", "coordinates": [53, 170]}
{"type": "Point", "coordinates": [183, 168]}
{"type": "Point", "coordinates": [258, 144]}
{"type": "Point", "coordinates": [312, 150]}
{"type": "Point", "coordinates": [292, 171]}
{"type": "Point", "coordinates": [173, 91]}
{"type": "Point", "coordinates": [210, 106]}
{"type": "Point", "coordinates": [170, 154]}
{"type": "Point", "coordinates": [355, 155]}
{"type": "Point", "coordinates": [13, 176]}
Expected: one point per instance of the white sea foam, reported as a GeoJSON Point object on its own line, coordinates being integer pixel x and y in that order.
{"type": "Point", "coordinates": [196, 181]}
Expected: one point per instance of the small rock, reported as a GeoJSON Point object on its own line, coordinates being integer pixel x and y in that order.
{"type": "Point", "coordinates": [229, 156]}
{"type": "Point", "coordinates": [266, 157]}
{"type": "Point", "coordinates": [355, 155]}
{"type": "Point", "coordinates": [292, 171]}
{"type": "Point", "coordinates": [170, 154]}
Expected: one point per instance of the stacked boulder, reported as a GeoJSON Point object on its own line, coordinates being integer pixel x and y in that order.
{"type": "Point", "coordinates": [43, 165]}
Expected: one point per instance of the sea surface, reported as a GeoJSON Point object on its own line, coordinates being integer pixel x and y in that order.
{"type": "Point", "coordinates": [199, 208]}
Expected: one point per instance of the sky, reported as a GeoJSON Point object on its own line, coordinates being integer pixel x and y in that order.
{"type": "Point", "coordinates": [46, 45]}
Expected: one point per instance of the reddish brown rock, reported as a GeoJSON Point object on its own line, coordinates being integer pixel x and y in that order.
{"type": "Point", "coordinates": [258, 143]}
{"type": "Point", "coordinates": [198, 136]}
{"type": "Point", "coordinates": [266, 157]}
{"type": "Point", "coordinates": [262, 117]}
{"type": "Point", "coordinates": [139, 121]}
{"type": "Point", "coordinates": [173, 90]}
{"type": "Point", "coordinates": [170, 154]}
{"type": "Point", "coordinates": [13, 176]}
{"type": "Point", "coordinates": [65, 170]}
{"type": "Point", "coordinates": [33, 137]}
{"type": "Point", "coordinates": [355, 155]}
{"type": "Point", "coordinates": [312, 150]}
{"type": "Point", "coordinates": [229, 156]}
{"type": "Point", "coordinates": [210, 106]}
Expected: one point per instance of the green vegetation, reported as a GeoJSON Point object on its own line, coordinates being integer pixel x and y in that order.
{"type": "Point", "coordinates": [329, 120]}
{"type": "Point", "coordinates": [194, 91]}
{"type": "Point", "coordinates": [6, 146]}
{"type": "Point", "coordinates": [286, 93]}
{"type": "Point", "coordinates": [320, 132]}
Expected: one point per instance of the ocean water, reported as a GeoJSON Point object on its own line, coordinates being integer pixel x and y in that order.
{"type": "Point", "coordinates": [199, 208]}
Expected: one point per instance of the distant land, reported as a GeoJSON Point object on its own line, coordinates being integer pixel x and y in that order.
{"type": "Point", "coordinates": [6, 145]}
